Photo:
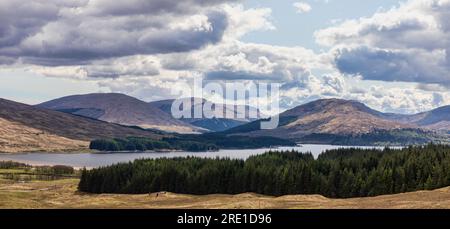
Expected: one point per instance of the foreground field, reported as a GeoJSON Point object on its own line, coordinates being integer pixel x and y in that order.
{"type": "Point", "coordinates": [63, 194]}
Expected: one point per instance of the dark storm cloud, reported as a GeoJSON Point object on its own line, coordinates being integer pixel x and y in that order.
{"type": "Point", "coordinates": [81, 44]}
{"type": "Point", "coordinates": [20, 19]}
{"type": "Point", "coordinates": [386, 65]}
{"type": "Point", "coordinates": [184, 40]}
{"type": "Point", "coordinates": [133, 7]}
{"type": "Point", "coordinates": [74, 32]}
{"type": "Point", "coordinates": [410, 43]}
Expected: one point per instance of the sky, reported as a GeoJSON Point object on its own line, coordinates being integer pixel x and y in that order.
{"type": "Point", "coordinates": [298, 28]}
{"type": "Point", "coordinates": [388, 54]}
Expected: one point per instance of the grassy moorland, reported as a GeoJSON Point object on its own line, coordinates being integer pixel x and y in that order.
{"type": "Point", "coordinates": [19, 189]}
{"type": "Point", "coordinates": [63, 194]}
{"type": "Point", "coordinates": [23, 186]}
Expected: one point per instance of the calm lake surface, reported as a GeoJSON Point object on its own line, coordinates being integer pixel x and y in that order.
{"type": "Point", "coordinates": [92, 160]}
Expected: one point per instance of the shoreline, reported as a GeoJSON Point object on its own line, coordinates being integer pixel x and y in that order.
{"type": "Point", "coordinates": [95, 159]}
{"type": "Point", "coordinates": [89, 151]}
{"type": "Point", "coordinates": [37, 164]}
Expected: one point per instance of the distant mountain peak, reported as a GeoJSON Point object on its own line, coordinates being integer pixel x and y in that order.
{"type": "Point", "coordinates": [336, 117]}
{"type": "Point", "coordinates": [121, 109]}
{"type": "Point", "coordinates": [221, 122]}
{"type": "Point", "coordinates": [327, 105]}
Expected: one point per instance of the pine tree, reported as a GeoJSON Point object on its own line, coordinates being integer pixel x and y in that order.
{"type": "Point", "coordinates": [336, 173]}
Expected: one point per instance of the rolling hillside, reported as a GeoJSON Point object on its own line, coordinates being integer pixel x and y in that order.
{"type": "Point", "coordinates": [120, 109]}
{"type": "Point", "coordinates": [29, 128]}
{"type": "Point", "coordinates": [437, 119]}
{"type": "Point", "coordinates": [75, 120]}
{"type": "Point", "coordinates": [335, 121]}
{"type": "Point", "coordinates": [213, 124]}
{"type": "Point", "coordinates": [338, 117]}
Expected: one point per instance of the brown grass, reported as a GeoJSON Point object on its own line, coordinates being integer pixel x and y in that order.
{"type": "Point", "coordinates": [16, 137]}
{"type": "Point", "coordinates": [28, 128]}
{"type": "Point", "coordinates": [63, 194]}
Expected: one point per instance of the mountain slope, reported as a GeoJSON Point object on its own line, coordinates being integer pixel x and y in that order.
{"type": "Point", "coordinates": [213, 124]}
{"type": "Point", "coordinates": [16, 137]}
{"type": "Point", "coordinates": [120, 109]}
{"type": "Point", "coordinates": [338, 122]}
{"type": "Point", "coordinates": [437, 119]}
{"type": "Point", "coordinates": [29, 128]}
{"type": "Point", "coordinates": [216, 124]}
{"type": "Point", "coordinates": [335, 116]}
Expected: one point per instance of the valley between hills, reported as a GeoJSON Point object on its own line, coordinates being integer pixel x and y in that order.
{"type": "Point", "coordinates": [71, 123]}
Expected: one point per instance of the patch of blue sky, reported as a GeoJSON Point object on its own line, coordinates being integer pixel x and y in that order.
{"type": "Point", "coordinates": [297, 29]}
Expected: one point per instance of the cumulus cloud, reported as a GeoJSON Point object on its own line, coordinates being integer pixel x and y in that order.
{"type": "Point", "coordinates": [242, 21]}
{"type": "Point", "coordinates": [147, 89]}
{"type": "Point", "coordinates": [409, 43]}
{"type": "Point", "coordinates": [135, 66]}
{"type": "Point", "coordinates": [105, 37]}
{"type": "Point", "coordinates": [72, 32]}
{"type": "Point", "coordinates": [21, 19]}
{"type": "Point", "coordinates": [132, 7]}
{"type": "Point", "coordinates": [382, 96]}
{"type": "Point", "coordinates": [151, 47]}
{"type": "Point", "coordinates": [4, 60]}
{"type": "Point", "coordinates": [230, 61]}
{"type": "Point", "coordinates": [302, 7]}
{"type": "Point", "coordinates": [401, 99]}
{"type": "Point", "coordinates": [72, 72]}
{"type": "Point", "coordinates": [238, 60]}
{"type": "Point", "coordinates": [393, 65]}
{"type": "Point", "coordinates": [432, 87]}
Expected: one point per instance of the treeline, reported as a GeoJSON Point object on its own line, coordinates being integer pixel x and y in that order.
{"type": "Point", "coordinates": [37, 170]}
{"type": "Point", "coordinates": [223, 141]}
{"type": "Point", "coordinates": [144, 144]}
{"type": "Point", "coordinates": [21, 172]}
{"type": "Point", "coordinates": [378, 137]}
{"type": "Point", "coordinates": [12, 165]}
{"type": "Point", "coordinates": [55, 170]}
{"type": "Point", "coordinates": [193, 143]}
{"type": "Point", "coordinates": [338, 173]}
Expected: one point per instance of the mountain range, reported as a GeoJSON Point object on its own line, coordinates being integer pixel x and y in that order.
{"type": "Point", "coordinates": [71, 122]}
{"type": "Point", "coordinates": [437, 119]}
{"type": "Point", "coordinates": [120, 109]}
{"type": "Point", "coordinates": [335, 121]}
{"type": "Point", "coordinates": [239, 115]}
{"type": "Point", "coordinates": [129, 111]}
